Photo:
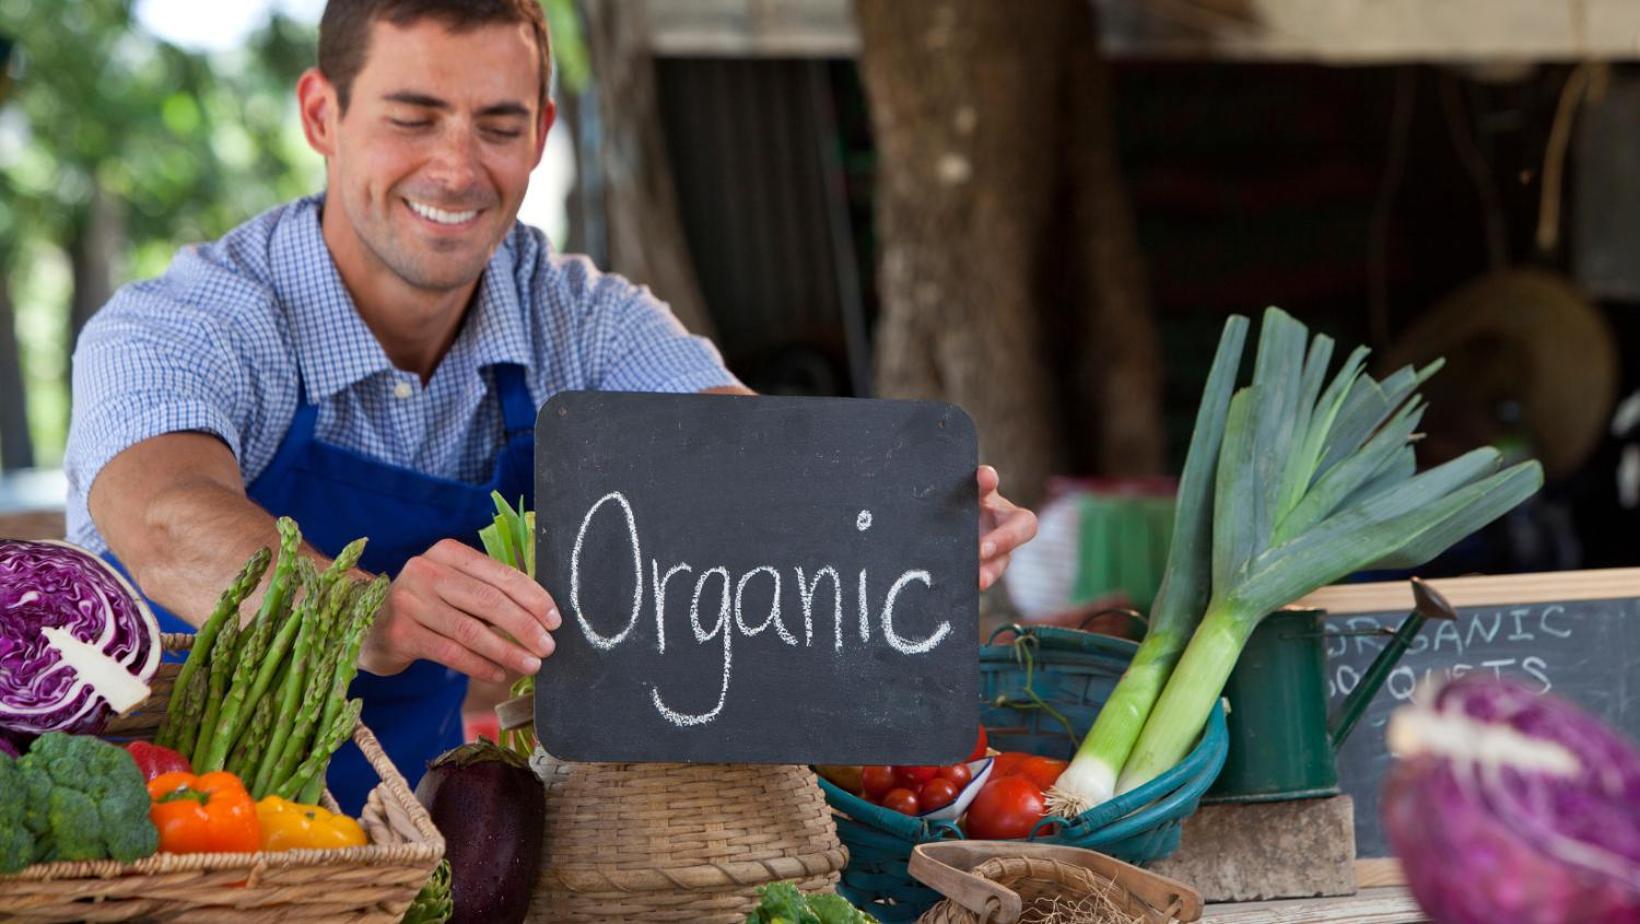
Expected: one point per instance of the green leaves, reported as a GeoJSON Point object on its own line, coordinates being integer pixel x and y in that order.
{"type": "Point", "coordinates": [510, 538]}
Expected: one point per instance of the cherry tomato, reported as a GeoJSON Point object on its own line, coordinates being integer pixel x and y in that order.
{"type": "Point", "coordinates": [1043, 771]}
{"type": "Point", "coordinates": [958, 774]}
{"type": "Point", "coordinates": [1006, 808]}
{"type": "Point", "coordinates": [875, 782]}
{"type": "Point", "coordinates": [901, 800]}
{"type": "Point", "coordinates": [980, 747]}
{"type": "Point", "coordinates": [936, 794]}
{"type": "Point", "coordinates": [913, 777]}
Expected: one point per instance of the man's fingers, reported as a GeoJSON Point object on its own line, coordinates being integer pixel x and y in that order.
{"type": "Point", "coordinates": [451, 654]}
{"type": "Point", "coordinates": [485, 604]}
{"type": "Point", "coordinates": [991, 570]}
{"type": "Point", "coordinates": [988, 480]}
{"type": "Point", "coordinates": [1017, 528]}
{"type": "Point", "coordinates": [520, 587]}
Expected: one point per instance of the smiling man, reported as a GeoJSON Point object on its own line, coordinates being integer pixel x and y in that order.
{"type": "Point", "coordinates": [369, 362]}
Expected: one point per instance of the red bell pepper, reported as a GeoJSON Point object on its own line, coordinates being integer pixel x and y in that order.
{"type": "Point", "coordinates": [152, 759]}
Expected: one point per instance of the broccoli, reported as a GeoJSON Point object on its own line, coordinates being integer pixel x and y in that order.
{"type": "Point", "coordinates": [782, 903]}
{"type": "Point", "coordinates": [73, 797]}
{"type": "Point", "coordinates": [16, 843]}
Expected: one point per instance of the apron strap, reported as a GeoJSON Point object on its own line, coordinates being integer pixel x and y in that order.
{"type": "Point", "coordinates": [517, 407]}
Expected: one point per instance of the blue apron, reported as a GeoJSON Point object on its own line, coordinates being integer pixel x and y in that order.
{"type": "Point", "coordinates": [337, 495]}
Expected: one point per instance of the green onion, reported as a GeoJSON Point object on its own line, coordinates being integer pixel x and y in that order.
{"type": "Point", "coordinates": [1312, 486]}
{"type": "Point", "coordinates": [1091, 777]}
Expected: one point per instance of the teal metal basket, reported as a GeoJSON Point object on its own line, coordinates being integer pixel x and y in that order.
{"type": "Point", "coordinates": [1073, 672]}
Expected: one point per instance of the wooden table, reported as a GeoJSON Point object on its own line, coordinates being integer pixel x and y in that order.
{"type": "Point", "coordinates": [1380, 905]}
{"type": "Point", "coordinates": [1382, 899]}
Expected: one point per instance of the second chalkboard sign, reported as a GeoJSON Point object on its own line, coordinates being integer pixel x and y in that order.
{"type": "Point", "coordinates": [758, 579]}
{"type": "Point", "coordinates": [1574, 633]}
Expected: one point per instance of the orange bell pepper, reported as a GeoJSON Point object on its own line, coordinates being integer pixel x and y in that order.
{"type": "Point", "coordinates": [209, 813]}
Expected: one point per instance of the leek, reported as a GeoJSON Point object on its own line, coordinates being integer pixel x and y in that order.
{"type": "Point", "coordinates": [1091, 777]}
{"type": "Point", "coordinates": [1313, 485]}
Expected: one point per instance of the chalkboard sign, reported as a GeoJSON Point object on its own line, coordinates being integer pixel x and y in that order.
{"type": "Point", "coordinates": [1576, 633]}
{"type": "Point", "coordinates": [758, 579]}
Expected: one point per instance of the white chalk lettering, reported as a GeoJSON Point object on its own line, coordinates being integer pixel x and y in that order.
{"type": "Point", "coordinates": [774, 605]}
{"type": "Point", "coordinates": [733, 605]}
{"type": "Point", "coordinates": [722, 627]}
{"type": "Point", "coordinates": [1543, 621]}
{"type": "Point", "coordinates": [1498, 666]}
{"type": "Point", "coordinates": [1520, 635]}
{"type": "Point", "coordinates": [1477, 626]}
{"type": "Point", "coordinates": [1401, 682]}
{"type": "Point", "coordinates": [605, 643]}
{"type": "Point", "coordinates": [806, 592]}
{"type": "Point", "coordinates": [1445, 629]}
{"type": "Point", "coordinates": [1539, 670]}
{"type": "Point", "coordinates": [659, 582]}
{"type": "Point", "coordinates": [900, 644]}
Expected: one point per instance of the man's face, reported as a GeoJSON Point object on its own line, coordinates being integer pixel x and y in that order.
{"type": "Point", "coordinates": [432, 158]}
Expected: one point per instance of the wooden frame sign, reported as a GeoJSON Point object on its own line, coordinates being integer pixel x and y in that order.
{"type": "Point", "coordinates": [1573, 633]}
{"type": "Point", "coordinates": [758, 579]}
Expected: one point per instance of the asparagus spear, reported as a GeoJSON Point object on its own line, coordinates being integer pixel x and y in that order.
{"type": "Point", "coordinates": [308, 781]}
{"type": "Point", "coordinates": [186, 732]}
{"type": "Point", "coordinates": [251, 743]}
{"type": "Point", "coordinates": [221, 661]}
{"type": "Point", "coordinates": [251, 655]}
{"type": "Point", "coordinates": [321, 665]}
{"type": "Point", "coordinates": [228, 604]}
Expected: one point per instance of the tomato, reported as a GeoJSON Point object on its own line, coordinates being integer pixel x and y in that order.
{"type": "Point", "coordinates": [1005, 808]}
{"type": "Point", "coordinates": [959, 774]}
{"type": "Point", "coordinates": [1043, 771]}
{"type": "Point", "coordinates": [915, 776]}
{"type": "Point", "coordinates": [980, 747]}
{"type": "Point", "coordinates": [901, 800]}
{"type": "Point", "coordinates": [1007, 763]}
{"type": "Point", "coordinates": [875, 782]}
{"type": "Point", "coordinates": [936, 794]}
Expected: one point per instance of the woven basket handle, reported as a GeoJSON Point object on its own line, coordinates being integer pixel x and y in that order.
{"type": "Point", "coordinates": [946, 871]}
{"type": "Point", "coordinates": [1169, 897]}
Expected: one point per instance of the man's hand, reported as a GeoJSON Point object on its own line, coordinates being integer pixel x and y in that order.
{"type": "Point", "coordinates": [1003, 527]}
{"type": "Point", "coordinates": [452, 605]}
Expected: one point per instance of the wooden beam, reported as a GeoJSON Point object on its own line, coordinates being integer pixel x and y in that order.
{"type": "Point", "coordinates": [1327, 31]}
{"type": "Point", "coordinates": [1376, 872]}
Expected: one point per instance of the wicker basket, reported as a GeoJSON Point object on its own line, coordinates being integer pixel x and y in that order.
{"type": "Point", "coordinates": [679, 842]}
{"type": "Point", "coordinates": [374, 883]}
{"type": "Point", "coordinates": [1074, 672]}
{"type": "Point", "coordinates": [992, 882]}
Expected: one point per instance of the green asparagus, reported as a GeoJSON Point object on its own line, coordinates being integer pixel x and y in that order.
{"type": "Point", "coordinates": [246, 581]}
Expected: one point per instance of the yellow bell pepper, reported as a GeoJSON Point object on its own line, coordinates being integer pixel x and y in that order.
{"type": "Point", "coordinates": [288, 825]}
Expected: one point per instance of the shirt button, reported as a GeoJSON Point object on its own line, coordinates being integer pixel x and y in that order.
{"type": "Point", "coordinates": [402, 390]}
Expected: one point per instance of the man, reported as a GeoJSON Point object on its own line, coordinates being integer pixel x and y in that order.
{"type": "Point", "coordinates": [369, 362]}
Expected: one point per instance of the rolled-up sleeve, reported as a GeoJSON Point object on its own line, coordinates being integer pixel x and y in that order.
{"type": "Point", "coordinates": [633, 341]}
{"type": "Point", "coordinates": [145, 365]}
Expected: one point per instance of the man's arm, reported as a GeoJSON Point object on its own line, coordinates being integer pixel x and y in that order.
{"type": "Point", "coordinates": [173, 508]}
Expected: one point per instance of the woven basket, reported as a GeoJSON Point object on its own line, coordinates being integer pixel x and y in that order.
{"type": "Point", "coordinates": [1072, 671]}
{"type": "Point", "coordinates": [679, 842]}
{"type": "Point", "coordinates": [991, 882]}
{"type": "Point", "coordinates": [374, 883]}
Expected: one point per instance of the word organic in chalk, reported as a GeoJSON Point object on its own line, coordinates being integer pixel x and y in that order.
{"type": "Point", "coordinates": [758, 579]}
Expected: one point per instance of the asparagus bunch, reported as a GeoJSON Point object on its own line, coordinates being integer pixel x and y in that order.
{"type": "Point", "coordinates": [267, 698]}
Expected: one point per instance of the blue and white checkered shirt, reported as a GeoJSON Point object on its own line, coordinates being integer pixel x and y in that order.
{"type": "Point", "coordinates": [214, 345]}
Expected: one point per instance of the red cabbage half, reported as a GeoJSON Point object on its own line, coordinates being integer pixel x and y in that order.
{"type": "Point", "coordinates": [77, 643]}
{"type": "Point", "coordinates": [1508, 806]}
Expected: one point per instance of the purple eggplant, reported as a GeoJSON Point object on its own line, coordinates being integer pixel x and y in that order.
{"type": "Point", "coordinates": [491, 809]}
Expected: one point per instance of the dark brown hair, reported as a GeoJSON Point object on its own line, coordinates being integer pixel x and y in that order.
{"type": "Point", "coordinates": [344, 31]}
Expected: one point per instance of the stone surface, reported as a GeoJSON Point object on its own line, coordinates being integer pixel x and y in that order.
{"type": "Point", "coordinates": [1266, 850]}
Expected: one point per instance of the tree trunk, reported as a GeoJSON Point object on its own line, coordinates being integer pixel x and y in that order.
{"type": "Point", "coordinates": [97, 246]}
{"type": "Point", "coordinates": [645, 234]}
{"type": "Point", "coordinates": [16, 446]}
{"type": "Point", "coordinates": [1009, 279]}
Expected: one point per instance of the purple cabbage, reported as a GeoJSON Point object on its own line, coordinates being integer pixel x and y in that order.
{"type": "Point", "coordinates": [1505, 805]}
{"type": "Point", "coordinates": [53, 596]}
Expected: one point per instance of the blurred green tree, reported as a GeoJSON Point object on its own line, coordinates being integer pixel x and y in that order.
{"type": "Point", "coordinates": [117, 147]}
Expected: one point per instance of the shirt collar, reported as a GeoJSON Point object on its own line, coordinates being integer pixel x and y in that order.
{"type": "Point", "coordinates": [336, 349]}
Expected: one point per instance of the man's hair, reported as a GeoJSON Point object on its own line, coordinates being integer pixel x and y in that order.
{"type": "Point", "coordinates": [344, 31]}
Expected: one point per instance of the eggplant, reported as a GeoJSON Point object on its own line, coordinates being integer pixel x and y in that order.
{"type": "Point", "coordinates": [491, 809]}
